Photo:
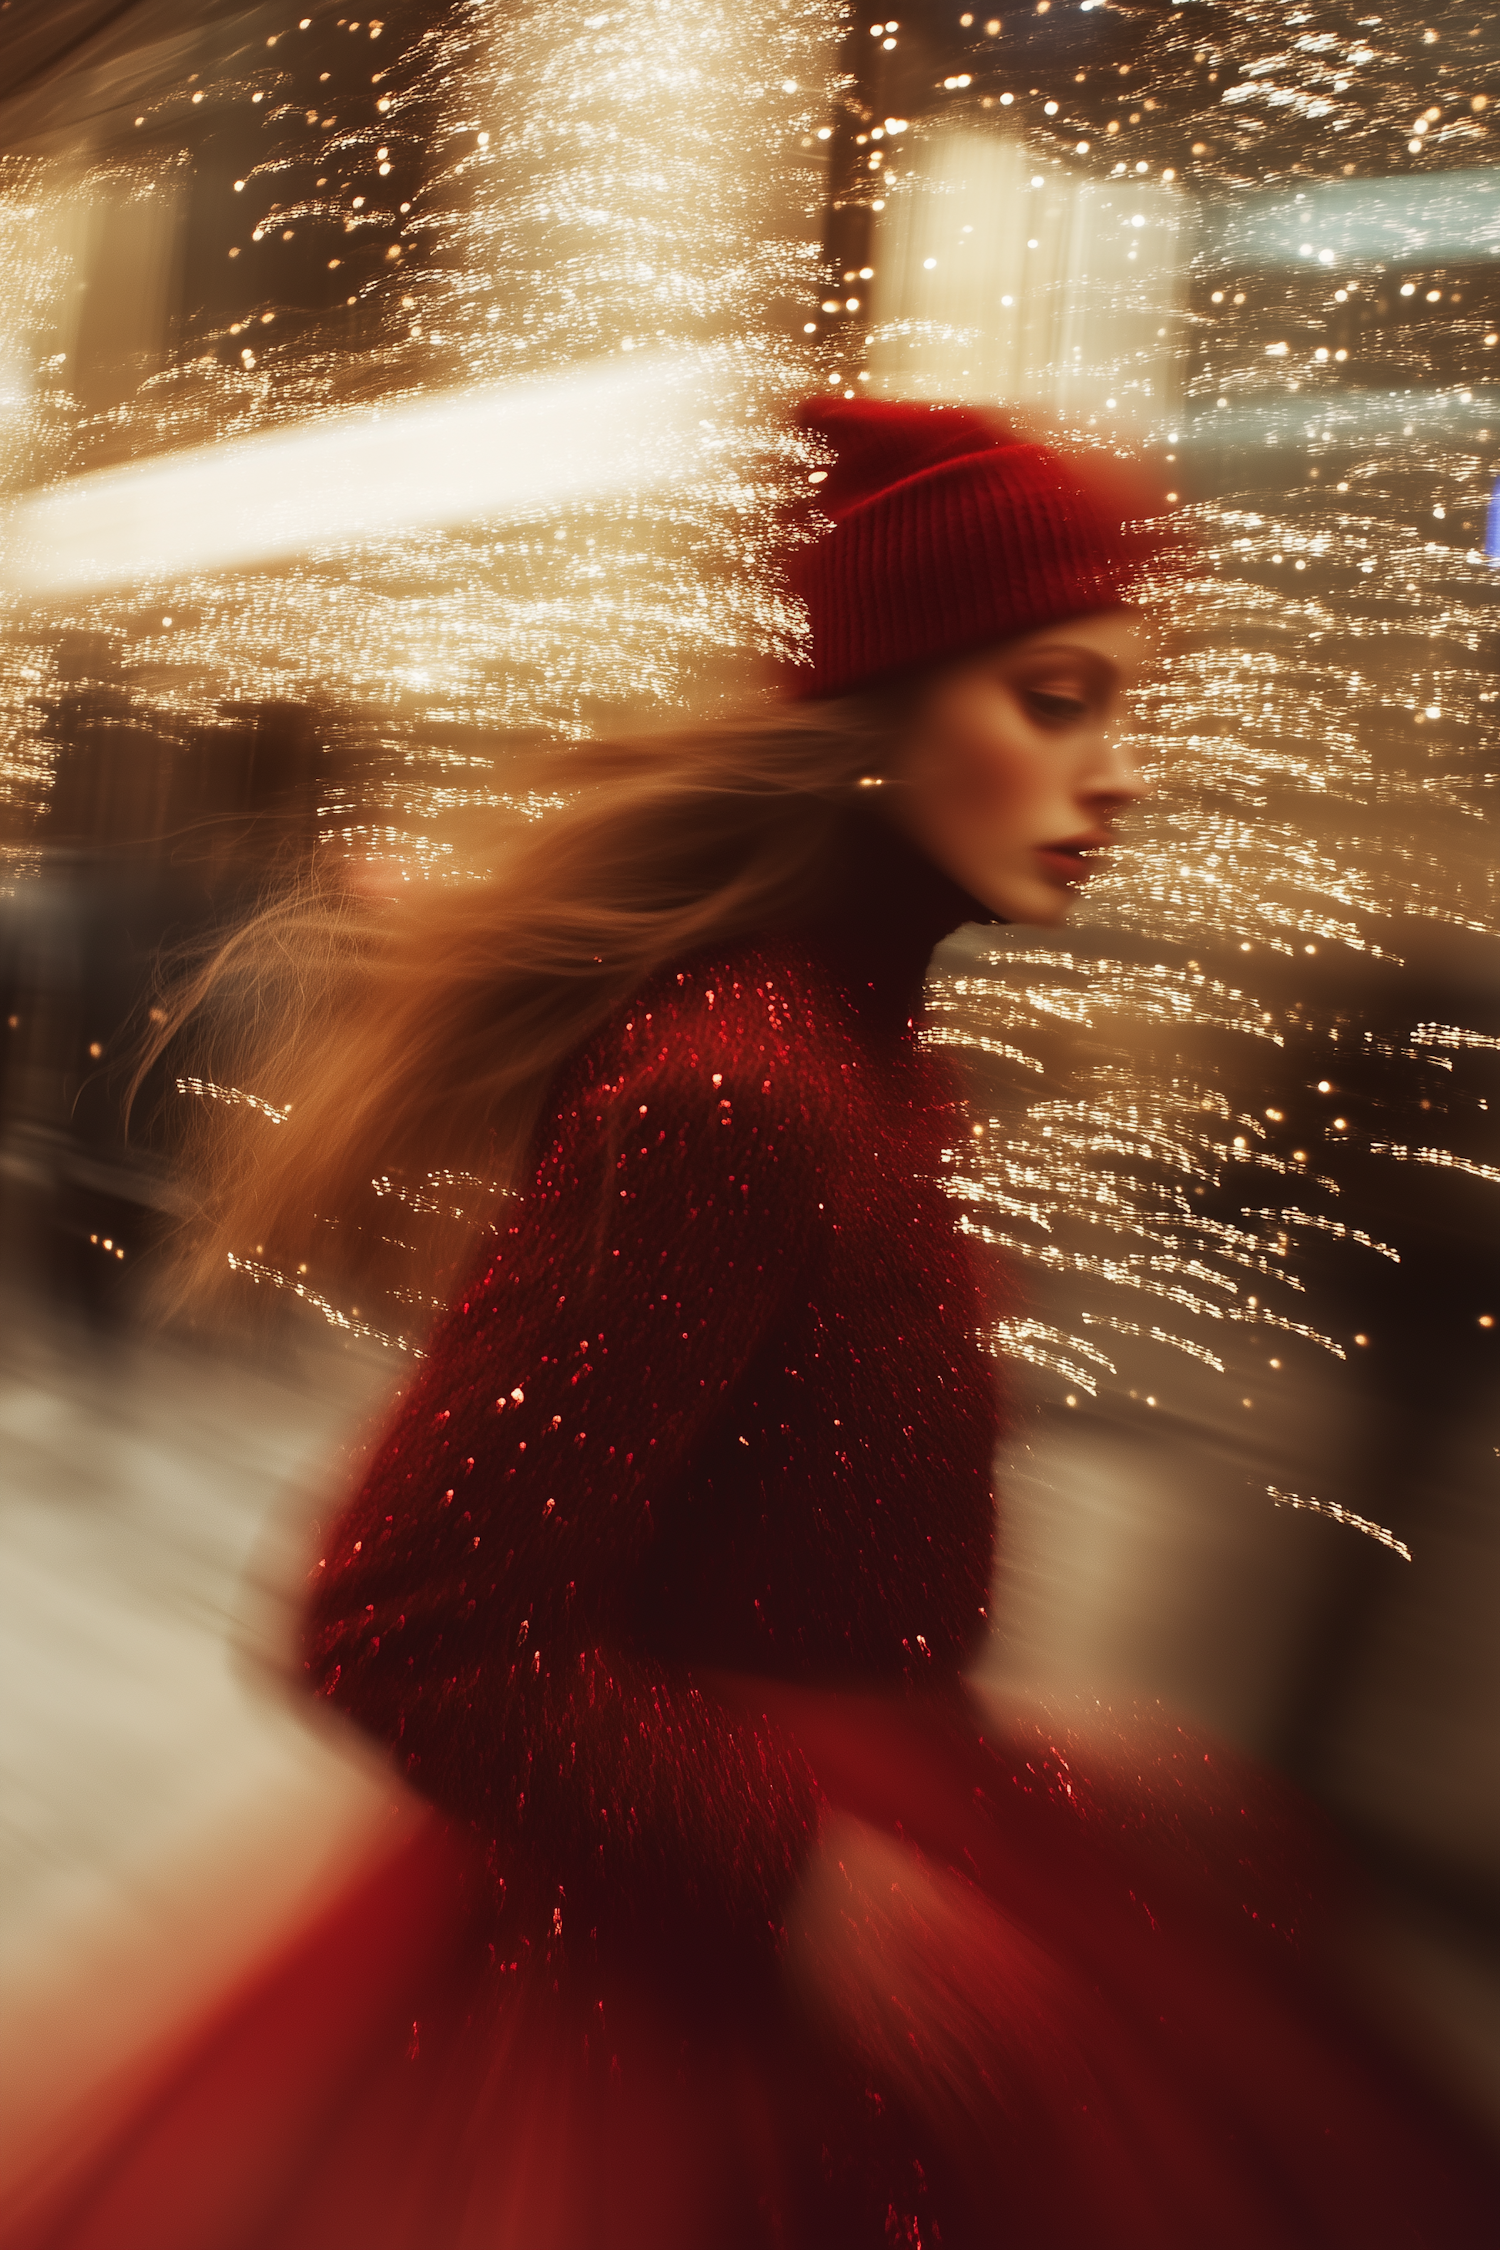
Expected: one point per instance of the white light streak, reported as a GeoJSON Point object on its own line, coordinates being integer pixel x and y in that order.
{"type": "Point", "coordinates": [206, 1090]}
{"type": "Point", "coordinates": [1193, 1350]}
{"type": "Point", "coordinates": [1336, 1514]}
{"type": "Point", "coordinates": [1453, 1035]}
{"type": "Point", "coordinates": [503, 451]}
{"type": "Point", "coordinates": [1334, 1227]}
{"type": "Point", "coordinates": [1443, 1158]}
{"type": "Point", "coordinates": [350, 1323]}
{"type": "Point", "coordinates": [980, 1043]}
{"type": "Point", "coordinates": [1043, 1346]}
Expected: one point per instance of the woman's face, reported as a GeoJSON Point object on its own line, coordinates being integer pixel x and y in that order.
{"type": "Point", "coordinates": [1013, 767]}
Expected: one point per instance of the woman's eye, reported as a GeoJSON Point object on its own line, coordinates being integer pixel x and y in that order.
{"type": "Point", "coordinates": [1056, 708]}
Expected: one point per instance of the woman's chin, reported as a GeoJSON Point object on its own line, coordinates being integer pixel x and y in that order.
{"type": "Point", "coordinates": [1058, 905]}
{"type": "Point", "coordinates": [1042, 904]}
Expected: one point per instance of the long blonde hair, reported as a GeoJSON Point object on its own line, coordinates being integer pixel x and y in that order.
{"type": "Point", "coordinates": [340, 1046]}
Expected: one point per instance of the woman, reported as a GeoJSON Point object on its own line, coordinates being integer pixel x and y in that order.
{"type": "Point", "coordinates": [744, 1922]}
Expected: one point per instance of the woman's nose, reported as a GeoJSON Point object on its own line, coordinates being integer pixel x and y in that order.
{"type": "Point", "coordinates": [1116, 777]}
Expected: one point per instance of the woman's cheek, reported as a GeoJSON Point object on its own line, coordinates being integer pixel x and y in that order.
{"type": "Point", "coordinates": [996, 777]}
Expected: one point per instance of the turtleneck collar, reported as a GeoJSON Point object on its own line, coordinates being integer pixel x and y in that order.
{"type": "Point", "coordinates": [884, 910]}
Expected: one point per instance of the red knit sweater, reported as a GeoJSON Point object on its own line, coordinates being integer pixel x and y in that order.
{"type": "Point", "coordinates": [712, 1400]}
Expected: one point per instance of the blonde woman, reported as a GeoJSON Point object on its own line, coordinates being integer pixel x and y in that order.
{"type": "Point", "coordinates": [737, 1918]}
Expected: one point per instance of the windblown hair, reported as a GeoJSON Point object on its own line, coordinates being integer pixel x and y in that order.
{"type": "Point", "coordinates": [340, 1042]}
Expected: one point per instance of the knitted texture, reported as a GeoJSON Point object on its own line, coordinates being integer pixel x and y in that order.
{"type": "Point", "coordinates": [948, 535]}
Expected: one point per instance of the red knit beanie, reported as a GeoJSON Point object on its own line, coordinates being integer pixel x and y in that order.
{"type": "Point", "coordinates": [948, 534]}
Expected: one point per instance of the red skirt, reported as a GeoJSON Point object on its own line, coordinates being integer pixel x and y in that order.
{"type": "Point", "coordinates": [1027, 1996]}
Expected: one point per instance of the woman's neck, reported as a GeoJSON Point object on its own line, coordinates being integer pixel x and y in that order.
{"type": "Point", "coordinates": [884, 909]}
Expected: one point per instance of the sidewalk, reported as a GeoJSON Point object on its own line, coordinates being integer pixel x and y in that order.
{"type": "Point", "coordinates": [167, 1809]}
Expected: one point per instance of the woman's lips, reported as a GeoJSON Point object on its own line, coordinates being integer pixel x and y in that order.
{"type": "Point", "coordinates": [1071, 864]}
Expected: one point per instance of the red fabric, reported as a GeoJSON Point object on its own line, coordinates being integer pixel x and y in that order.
{"type": "Point", "coordinates": [1110, 2040]}
{"type": "Point", "coordinates": [948, 534]}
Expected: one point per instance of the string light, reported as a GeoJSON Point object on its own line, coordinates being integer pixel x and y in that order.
{"type": "Point", "coordinates": [613, 183]}
{"type": "Point", "coordinates": [1339, 1514]}
{"type": "Point", "coordinates": [1298, 813]}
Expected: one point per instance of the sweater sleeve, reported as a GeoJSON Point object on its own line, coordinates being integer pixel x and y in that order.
{"type": "Point", "coordinates": [471, 1611]}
